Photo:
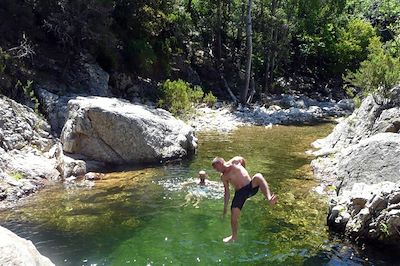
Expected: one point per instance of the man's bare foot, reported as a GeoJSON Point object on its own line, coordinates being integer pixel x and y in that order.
{"type": "Point", "coordinates": [229, 239]}
{"type": "Point", "coordinates": [273, 200]}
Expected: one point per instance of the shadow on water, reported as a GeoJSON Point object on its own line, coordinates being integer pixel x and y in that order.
{"type": "Point", "coordinates": [157, 215]}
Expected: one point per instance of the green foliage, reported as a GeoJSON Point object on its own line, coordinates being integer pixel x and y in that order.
{"type": "Point", "coordinates": [29, 93]}
{"type": "Point", "coordinates": [175, 97]}
{"type": "Point", "coordinates": [352, 46]}
{"type": "Point", "coordinates": [322, 39]}
{"type": "Point", "coordinates": [179, 98]}
{"type": "Point", "coordinates": [4, 57]}
{"type": "Point", "coordinates": [379, 73]}
{"type": "Point", "coordinates": [384, 228]}
{"type": "Point", "coordinates": [17, 175]}
{"type": "Point", "coordinates": [142, 54]}
{"type": "Point", "coordinates": [196, 94]}
{"type": "Point", "coordinates": [210, 99]}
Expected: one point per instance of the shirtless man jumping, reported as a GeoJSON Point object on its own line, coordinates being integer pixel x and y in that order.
{"type": "Point", "coordinates": [234, 172]}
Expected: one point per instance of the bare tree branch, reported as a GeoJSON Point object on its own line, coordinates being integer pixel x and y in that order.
{"type": "Point", "coordinates": [24, 49]}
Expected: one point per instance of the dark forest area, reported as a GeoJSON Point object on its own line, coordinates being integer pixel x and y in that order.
{"type": "Point", "coordinates": [237, 50]}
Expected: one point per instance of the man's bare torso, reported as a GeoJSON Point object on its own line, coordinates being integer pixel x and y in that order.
{"type": "Point", "coordinates": [237, 175]}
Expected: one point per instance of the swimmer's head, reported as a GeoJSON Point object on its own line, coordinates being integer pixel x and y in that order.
{"type": "Point", "coordinates": [202, 175]}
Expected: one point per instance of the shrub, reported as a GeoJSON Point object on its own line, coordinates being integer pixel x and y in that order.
{"type": "Point", "coordinates": [196, 94]}
{"type": "Point", "coordinates": [17, 175]}
{"type": "Point", "coordinates": [29, 93]}
{"type": "Point", "coordinates": [210, 99]}
{"type": "Point", "coordinates": [179, 98]}
{"type": "Point", "coordinates": [379, 73]}
{"type": "Point", "coordinates": [175, 97]}
{"type": "Point", "coordinates": [353, 43]}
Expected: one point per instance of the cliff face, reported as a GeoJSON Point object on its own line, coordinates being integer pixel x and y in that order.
{"type": "Point", "coordinates": [360, 158]}
{"type": "Point", "coordinates": [26, 162]}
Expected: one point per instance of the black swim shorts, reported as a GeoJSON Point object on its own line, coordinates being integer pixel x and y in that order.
{"type": "Point", "coordinates": [242, 195]}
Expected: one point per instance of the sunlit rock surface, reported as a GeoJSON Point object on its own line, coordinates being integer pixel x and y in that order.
{"type": "Point", "coordinates": [15, 250]}
{"type": "Point", "coordinates": [115, 131]}
{"type": "Point", "coordinates": [360, 158]}
{"type": "Point", "coordinates": [368, 211]}
{"type": "Point", "coordinates": [279, 110]}
{"type": "Point", "coordinates": [363, 147]}
{"type": "Point", "coordinates": [25, 161]}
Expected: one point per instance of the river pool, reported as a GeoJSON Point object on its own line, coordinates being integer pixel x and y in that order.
{"type": "Point", "coordinates": [159, 216]}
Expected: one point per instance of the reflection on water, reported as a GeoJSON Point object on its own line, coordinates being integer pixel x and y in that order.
{"type": "Point", "coordinates": [157, 216]}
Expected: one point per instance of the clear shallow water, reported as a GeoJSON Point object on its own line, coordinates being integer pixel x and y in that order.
{"type": "Point", "coordinates": [156, 216]}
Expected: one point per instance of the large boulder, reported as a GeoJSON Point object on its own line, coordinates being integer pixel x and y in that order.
{"type": "Point", "coordinates": [371, 161]}
{"type": "Point", "coordinates": [15, 250]}
{"type": "Point", "coordinates": [115, 131]}
{"type": "Point", "coordinates": [363, 147]}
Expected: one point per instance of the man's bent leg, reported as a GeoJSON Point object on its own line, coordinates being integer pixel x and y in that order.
{"type": "Point", "coordinates": [235, 213]}
{"type": "Point", "coordinates": [259, 180]}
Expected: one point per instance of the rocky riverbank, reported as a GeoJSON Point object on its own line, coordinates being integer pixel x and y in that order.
{"type": "Point", "coordinates": [26, 162]}
{"type": "Point", "coordinates": [360, 160]}
{"type": "Point", "coordinates": [278, 110]}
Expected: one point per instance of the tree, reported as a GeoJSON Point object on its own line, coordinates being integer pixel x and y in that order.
{"type": "Point", "coordinates": [379, 73]}
{"type": "Point", "coordinates": [249, 53]}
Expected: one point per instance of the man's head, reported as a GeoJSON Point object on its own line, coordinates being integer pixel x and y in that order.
{"type": "Point", "coordinates": [218, 164]}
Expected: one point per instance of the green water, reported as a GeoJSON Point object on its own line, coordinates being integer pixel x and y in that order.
{"type": "Point", "coordinates": [131, 218]}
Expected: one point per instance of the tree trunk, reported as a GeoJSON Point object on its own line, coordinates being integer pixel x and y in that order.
{"type": "Point", "coordinates": [270, 49]}
{"type": "Point", "coordinates": [228, 89]}
{"type": "Point", "coordinates": [238, 40]}
{"type": "Point", "coordinates": [252, 91]}
{"type": "Point", "coordinates": [249, 42]}
{"type": "Point", "coordinates": [218, 39]}
{"type": "Point", "coordinates": [274, 55]}
{"type": "Point", "coordinates": [189, 7]}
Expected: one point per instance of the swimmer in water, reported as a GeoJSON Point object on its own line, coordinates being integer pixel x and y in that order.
{"type": "Point", "coordinates": [202, 176]}
{"type": "Point", "coordinates": [195, 196]}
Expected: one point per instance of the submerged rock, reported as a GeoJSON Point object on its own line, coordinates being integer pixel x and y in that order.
{"type": "Point", "coordinates": [15, 250]}
{"type": "Point", "coordinates": [115, 131]}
